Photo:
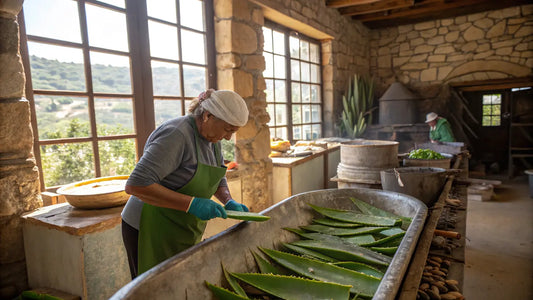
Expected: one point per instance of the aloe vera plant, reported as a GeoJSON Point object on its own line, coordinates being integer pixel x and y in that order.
{"type": "Point", "coordinates": [333, 230]}
{"type": "Point", "coordinates": [361, 268]}
{"type": "Point", "coordinates": [360, 283]}
{"type": "Point", "coordinates": [264, 266]}
{"type": "Point", "coordinates": [335, 223]}
{"type": "Point", "coordinates": [345, 251]}
{"type": "Point", "coordinates": [233, 283]}
{"type": "Point", "coordinates": [369, 209]}
{"type": "Point", "coordinates": [354, 217]}
{"type": "Point", "coordinates": [224, 294]}
{"type": "Point", "coordinates": [308, 253]}
{"type": "Point", "coordinates": [290, 287]}
{"type": "Point", "coordinates": [357, 106]}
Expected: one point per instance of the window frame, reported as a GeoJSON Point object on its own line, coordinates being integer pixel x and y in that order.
{"type": "Point", "coordinates": [140, 73]}
{"type": "Point", "coordinates": [492, 105]}
{"type": "Point", "coordinates": [288, 33]}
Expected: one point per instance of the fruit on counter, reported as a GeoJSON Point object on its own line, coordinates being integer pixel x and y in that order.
{"type": "Point", "coordinates": [280, 146]}
{"type": "Point", "coordinates": [425, 154]}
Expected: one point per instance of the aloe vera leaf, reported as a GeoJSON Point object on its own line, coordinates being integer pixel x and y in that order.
{"type": "Point", "coordinates": [332, 230]}
{"type": "Point", "coordinates": [354, 217]}
{"type": "Point", "coordinates": [360, 267]}
{"type": "Point", "coordinates": [385, 250]}
{"type": "Point", "coordinates": [370, 209]}
{"type": "Point", "coordinates": [297, 231]}
{"type": "Point", "coordinates": [360, 239]}
{"type": "Point", "coordinates": [246, 216]}
{"type": "Point", "coordinates": [345, 251]}
{"type": "Point", "coordinates": [309, 253]}
{"type": "Point", "coordinates": [393, 243]}
{"type": "Point", "coordinates": [290, 287]}
{"type": "Point", "coordinates": [233, 283]}
{"type": "Point", "coordinates": [368, 229]}
{"type": "Point", "coordinates": [361, 283]}
{"type": "Point", "coordinates": [385, 240]}
{"type": "Point", "coordinates": [223, 294]}
{"type": "Point", "coordinates": [391, 231]}
{"type": "Point", "coordinates": [264, 266]}
{"type": "Point", "coordinates": [335, 223]}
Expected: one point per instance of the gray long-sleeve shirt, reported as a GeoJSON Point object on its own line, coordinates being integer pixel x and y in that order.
{"type": "Point", "coordinates": [169, 159]}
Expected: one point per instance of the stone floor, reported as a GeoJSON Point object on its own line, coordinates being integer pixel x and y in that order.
{"type": "Point", "coordinates": [499, 245]}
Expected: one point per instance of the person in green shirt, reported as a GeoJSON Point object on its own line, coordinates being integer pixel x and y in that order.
{"type": "Point", "coordinates": [439, 128]}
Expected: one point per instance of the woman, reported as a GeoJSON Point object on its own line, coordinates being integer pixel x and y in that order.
{"type": "Point", "coordinates": [439, 128]}
{"type": "Point", "coordinates": [171, 185]}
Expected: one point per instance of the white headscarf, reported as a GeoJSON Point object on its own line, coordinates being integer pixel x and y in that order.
{"type": "Point", "coordinates": [227, 106]}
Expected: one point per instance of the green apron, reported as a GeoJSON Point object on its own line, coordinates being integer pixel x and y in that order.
{"type": "Point", "coordinates": [165, 232]}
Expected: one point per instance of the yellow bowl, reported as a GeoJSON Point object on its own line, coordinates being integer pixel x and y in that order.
{"type": "Point", "coordinates": [102, 192]}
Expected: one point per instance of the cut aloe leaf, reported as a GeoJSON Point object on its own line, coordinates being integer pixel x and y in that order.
{"type": "Point", "coordinates": [298, 231]}
{"type": "Point", "coordinates": [369, 209]}
{"type": "Point", "coordinates": [335, 223]}
{"type": "Point", "coordinates": [361, 283]}
{"type": "Point", "coordinates": [233, 283]}
{"type": "Point", "coordinates": [385, 240]}
{"type": "Point", "coordinates": [309, 253]}
{"type": "Point", "coordinates": [334, 230]}
{"type": "Point", "coordinates": [223, 294]}
{"type": "Point", "coordinates": [391, 231]}
{"type": "Point", "coordinates": [385, 250]}
{"type": "Point", "coordinates": [264, 266]}
{"type": "Point", "coordinates": [354, 217]}
{"type": "Point", "coordinates": [246, 216]}
{"type": "Point", "coordinates": [345, 251]}
{"type": "Point", "coordinates": [289, 287]}
{"type": "Point", "coordinates": [360, 267]}
{"type": "Point", "coordinates": [360, 239]}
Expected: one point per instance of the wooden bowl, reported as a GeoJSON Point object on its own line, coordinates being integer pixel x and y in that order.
{"type": "Point", "coordinates": [102, 192]}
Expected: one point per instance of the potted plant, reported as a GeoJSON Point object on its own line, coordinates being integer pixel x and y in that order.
{"type": "Point", "coordinates": [357, 102]}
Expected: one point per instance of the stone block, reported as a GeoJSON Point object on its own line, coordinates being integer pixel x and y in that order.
{"type": "Point", "coordinates": [418, 58]}
{"type": "Point", "coordinates": [424, 25]}
{"type": "Point", "coordinates": [424, 49]}
{"type": "Point", "coordinates": [483, 55]}
{"type": "Point", "coordinates": [443, 72]}
{"type": "Point", "coordinates": [504, 51]}
{"type": "Point", "coordinates": [437, 58]}
{"type": "Point", "coordinates": [484, 23]}
{"type": "Point", "coordinates": [228, 61]}
{"type": "Point", "coordinates": [19, 190]}
{"type": "Point", "coordinates": [452, 36]}
{"type": "Point", "coordinates": [232, 36]}
{"type": "Point", "coordinates": [444, 50]}
{"type": "Point", "coordinates": [12, 78]}
{"type": "Point", "coordinates": [11, 241]}
{"type": "Point", "coordinates": [15, 129]}
{"type": "Point", "coordinates": [473, 34]}
{"type": "Point", "coordinates": [255, 62]}
{"type": "Point", "coordinates": [438, 40]}
{"type": "Point", "coordinates": [416, 42]}
{"type": "Point", "coordinates": [428, 74]}
{"type": "Point", "coordinates": [468, 47]}
{"type": "Point", "coordinates": [429, 33]}
{"type": "Point", "coordinates": [524, 31]}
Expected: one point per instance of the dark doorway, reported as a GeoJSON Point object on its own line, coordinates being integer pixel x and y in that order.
{"type": "Point", "coordinates": [504, 129]}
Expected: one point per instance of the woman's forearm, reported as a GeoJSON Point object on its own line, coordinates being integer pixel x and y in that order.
{"type": "Point", "coordinates": [158, 195]}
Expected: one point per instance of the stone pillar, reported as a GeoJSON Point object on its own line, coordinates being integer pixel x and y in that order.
{"type": "Point", "coordinates": [19, 176]}
{"type": "Point", "coordinates": [240, 64]}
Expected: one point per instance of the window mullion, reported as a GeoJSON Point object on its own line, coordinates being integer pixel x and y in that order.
{"type": "Point", "coordinates": [89, 85]}
{"type": "Point", "coordinates": [288, 86]}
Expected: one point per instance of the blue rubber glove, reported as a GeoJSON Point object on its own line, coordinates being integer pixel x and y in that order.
{"type": "Point", "coordinates": [206, 209]}
{"type": "Point", "coordinates": [234, 205]}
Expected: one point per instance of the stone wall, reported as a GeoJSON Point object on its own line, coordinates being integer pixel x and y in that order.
{"type": "Point", "coordinates": [489, 45]}
{"type": "Point", "coordinates": [240, 64]}
{"type": "Point", "coordinates": [344, 45]}
{"type": "Point", "coordinates": [19, 176]}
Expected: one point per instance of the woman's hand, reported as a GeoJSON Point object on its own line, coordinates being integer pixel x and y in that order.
{"type": "Point", "coordinates": [206, 209]}
{"type": "Point", "coordinates": [234, 205]}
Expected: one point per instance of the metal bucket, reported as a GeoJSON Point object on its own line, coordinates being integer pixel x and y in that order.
{"type": "Point", "coordinates": [362, 160]}
{"type": "Point", "coordinates": [422, 183]}
{"type": "Point", "coordinates": [183, 276]}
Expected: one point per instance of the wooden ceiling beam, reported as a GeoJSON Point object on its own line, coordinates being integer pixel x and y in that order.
{"type": "Point", "coordinates": [345, 3]}
{"type": "Point", "coordinates": [435, 8]}
{"type": "Point", "coordinates": [375, 7]}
